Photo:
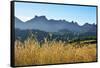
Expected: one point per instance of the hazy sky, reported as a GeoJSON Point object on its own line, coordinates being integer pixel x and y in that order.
{"type": "Point", "coordinates": [80, 14]}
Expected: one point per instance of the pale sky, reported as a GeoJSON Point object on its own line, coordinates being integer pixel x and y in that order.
{"type": "Point", "coordinates": [81, 14]}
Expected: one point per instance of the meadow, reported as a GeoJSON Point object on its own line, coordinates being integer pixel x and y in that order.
{"type": "Point", "coordinates": [31, 52]}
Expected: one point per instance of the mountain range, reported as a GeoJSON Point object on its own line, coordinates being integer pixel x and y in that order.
{"type": "Point", "coordinates": [43, 24]}
{"type": "Point", "coordinates": [63, 30]}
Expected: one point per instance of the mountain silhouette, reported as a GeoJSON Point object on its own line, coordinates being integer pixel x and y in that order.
{"type": "Point", "coordinates": [43, 24]}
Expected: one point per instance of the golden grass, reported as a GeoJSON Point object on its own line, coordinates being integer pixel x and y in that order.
{"type": "Point", "coordinates": [52, 52]}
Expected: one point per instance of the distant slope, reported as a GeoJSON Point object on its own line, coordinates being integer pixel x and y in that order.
{"type": "Point", "coordinates": [42, 23]}
{"type": "Point", "coordinates": [41, 27]}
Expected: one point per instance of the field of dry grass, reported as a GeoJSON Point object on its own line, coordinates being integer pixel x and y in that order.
{"type": "Point", "coordinates": [52, 52]}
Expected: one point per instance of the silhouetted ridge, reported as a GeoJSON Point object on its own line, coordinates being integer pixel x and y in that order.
{"type": "Point", "coordinates": [42, 23]}
{"type": "Point", "coordinates": [40, 17]}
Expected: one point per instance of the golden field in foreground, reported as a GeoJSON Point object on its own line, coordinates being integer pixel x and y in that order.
{"type": "Point", "coordinates": [52, 52]}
